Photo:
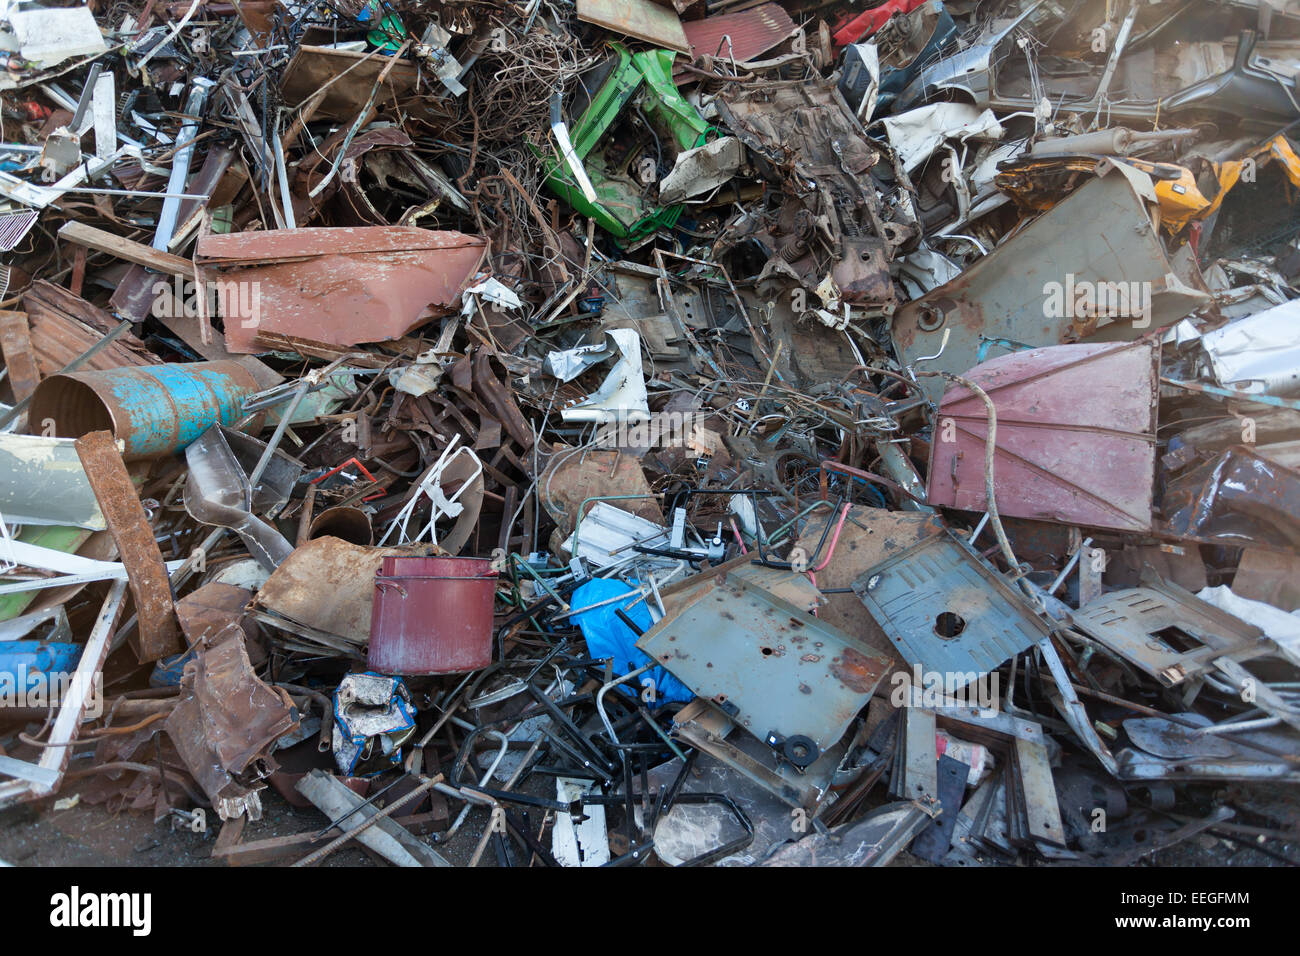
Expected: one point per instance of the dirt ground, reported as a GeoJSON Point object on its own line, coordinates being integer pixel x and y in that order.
{"type": "Point", "coordinates": [90, 836]}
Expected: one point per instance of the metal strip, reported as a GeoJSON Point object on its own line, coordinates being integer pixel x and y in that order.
{"type": "Point", "coordinates": [159, 633]}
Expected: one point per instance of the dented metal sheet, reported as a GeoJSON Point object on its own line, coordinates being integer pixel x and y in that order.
{"type": "Point", "coordinates": [224, 726]}
{"type": "Point", "coordinates": [329, 584]}
{"type": "Point", "coordinates": [1076, 436]}
{"type": "Point", "coordinates": [770, 666]}
{"type": "Point", "coordinates": [1094, 252]}
{"type": "Point", "coordinates": [335, 287]}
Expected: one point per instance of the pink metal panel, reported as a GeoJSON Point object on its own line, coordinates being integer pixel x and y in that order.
{"type": "Point", "coordinates": [1075, 436]}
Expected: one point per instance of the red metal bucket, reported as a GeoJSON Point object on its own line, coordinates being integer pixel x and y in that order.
{"type": "Point", "coordinates": [396, 565]}
{"type": "Point", "coordinates": [434, 619]}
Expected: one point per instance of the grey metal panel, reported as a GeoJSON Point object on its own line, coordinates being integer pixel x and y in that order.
{"type": "Point", "coordinates": [910, 594]}
{"type": "Point", "coordinates": [769, 665]}
{"type": "Point", "coordinates": [1133, 623]}
{"type": "Point", "coordinates": [1100, 233]}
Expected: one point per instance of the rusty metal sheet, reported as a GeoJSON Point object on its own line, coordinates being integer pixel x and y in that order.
{"type": "Point", "coordinates": [1238, 498]}
{"type": "Point", "coordinates": [643, 19]}
{"type": "Point", "coordinates": [498, 398]}
{"type": "Point", "coordinates": [1267, 576]}
{"type": "Point", "coordinates": [334, 286]}
{"type": "Point", "coordinates": [869, 536]}
{"type": "Point", "coordinates": [314, 67]}
{"type": "Point", "coordinates": [224, 725]}
{"type": "Point", "coordinates": [64, 327]}
{"type": "Point", "coordinates": [748, 33]}
{"type": "Point", "coordinates": [571, 477]}
{"type": "Point", "coordinates": [1167, 632]}
{"type": "Point", "coordinates": [211, 609]}
{"type": "Point", "coordinates": [1075, 437]}
{"type": "Point", "coordinates": [19, 356]}
{"type": "Point", "coordinates": [1100, 235]}
{"type": "Point", "coordinates": [329, 584]}
{"type": "Point", "coordinates": [157, 634]}
{"type": "Point", "coordinates": [770, 666]}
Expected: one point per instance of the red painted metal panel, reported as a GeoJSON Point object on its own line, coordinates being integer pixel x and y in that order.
{"type": "Point", "coordinates": [868, 22]}
{"type": "Point", "coordinates": [1075, 436]}
{"type": "Point", "coordinates": [432, 615]}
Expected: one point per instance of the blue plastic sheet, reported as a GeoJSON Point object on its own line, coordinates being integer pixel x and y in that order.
{"type": "Point", "coordinates": [607, 636]}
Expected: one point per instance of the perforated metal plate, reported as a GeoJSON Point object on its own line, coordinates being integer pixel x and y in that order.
{"type": "Point", "coordinates": [944, 608]}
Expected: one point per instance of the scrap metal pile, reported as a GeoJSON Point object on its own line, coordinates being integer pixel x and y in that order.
{"type": "Point", "coordinates": [655, 432]}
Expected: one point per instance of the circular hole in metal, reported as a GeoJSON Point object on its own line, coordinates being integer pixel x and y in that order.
{"type": "Point", "coordinates": [948, 625]}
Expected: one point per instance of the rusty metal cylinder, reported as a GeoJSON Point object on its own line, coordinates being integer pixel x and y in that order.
{"type": "Point", "coordinates": [432, 615]}
{"type": "Point", "coordinates": [351, 524]}
{"type": "Point", "coordinates": [154, 410]}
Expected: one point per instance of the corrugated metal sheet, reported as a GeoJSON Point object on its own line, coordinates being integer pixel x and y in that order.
{"type": "Point", "coordinates": [63, 326]}
{"type": "Point", "coordinates": [752, 32]}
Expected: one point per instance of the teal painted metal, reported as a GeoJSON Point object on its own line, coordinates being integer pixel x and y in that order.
{"type": "Point", "coordinates": [154, 410]}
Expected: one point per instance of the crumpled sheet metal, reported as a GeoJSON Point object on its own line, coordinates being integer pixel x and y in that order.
{"type": "Point", "coordinates": [373, 717]}
{"type": "Point", "coordinates": [801, 132]}
{"type": "Point", "coordinates": [702, 169]}
{"type": "Point", "coordinates": [329, 584]}
{"type": "Point", "coordinates": [622, 396]}
{"type": "Point", "coordinates": [385, 153]}
{"type": "Point", "coordinates": [336, 286]}
{"type": "Point", "coordinates": [1075, 442]}
{"type": "Point", "coordinates": [475, 379]}
{"type": "Point", "coordinates": [1258, 353]}
{"type": "Point", "coordinates": [208, 611]}
{"type": "Point", "coordinates": [1239, 499]}
{"type": "Point", "coordinates": [225, 723]}
{"type": "Point", "coordinates": [917, 133]}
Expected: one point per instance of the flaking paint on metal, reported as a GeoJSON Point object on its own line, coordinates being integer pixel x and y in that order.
{"type": "Point", "coordinates": [1075, 439]}
{"type": "Point", "coordinates": [783, 669]}
{"type": "Point", "coordinates": [337, 286]}
{"type": "Point", "coordinates": [194, 398]}
{"type": "Point", "coordinates": [155, 409]}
